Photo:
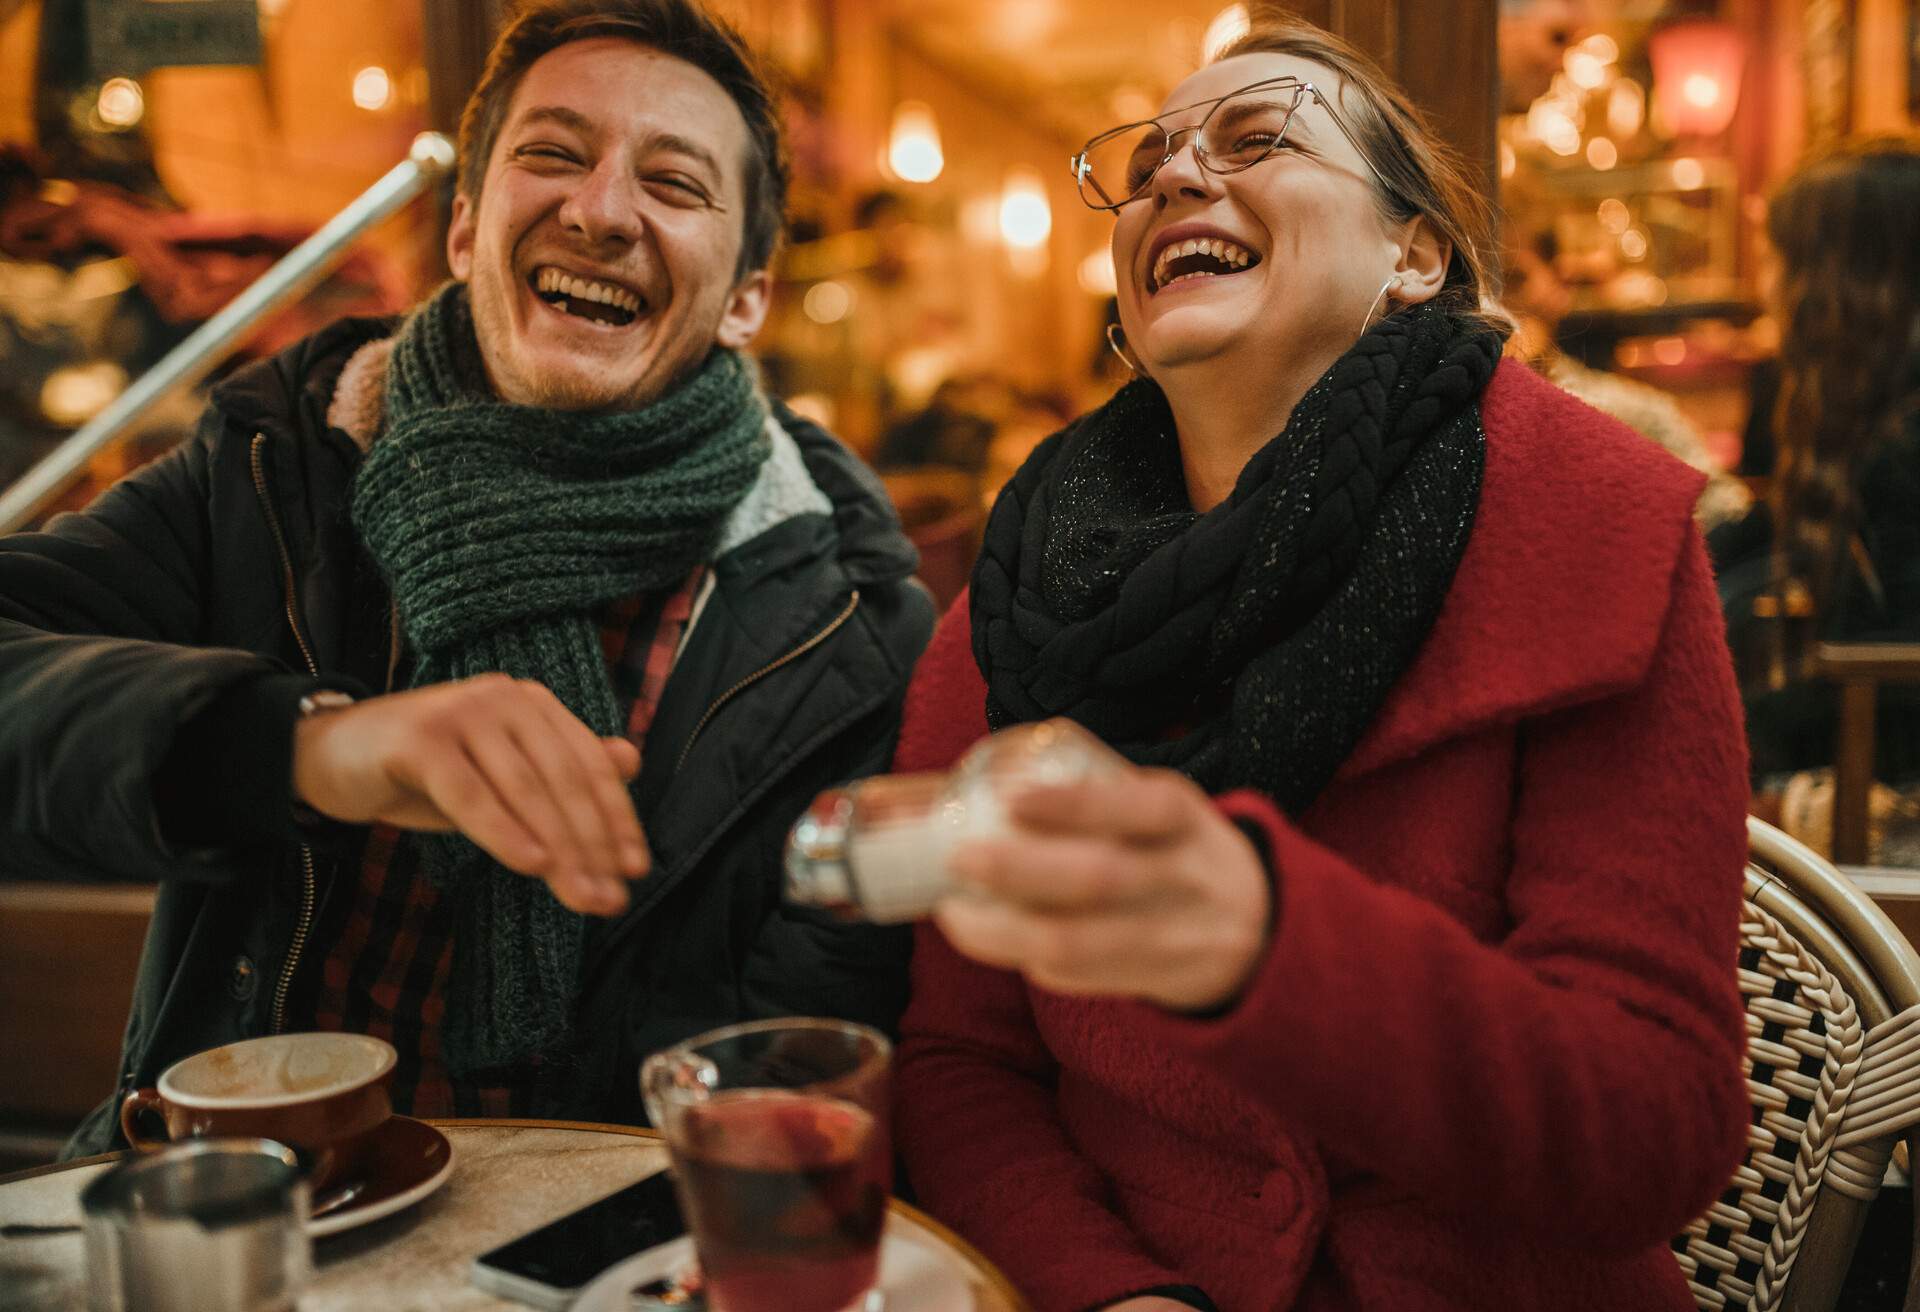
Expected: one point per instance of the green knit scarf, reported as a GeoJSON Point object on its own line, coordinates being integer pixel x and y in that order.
{"type": "Point", "coordinates": [502, 530]}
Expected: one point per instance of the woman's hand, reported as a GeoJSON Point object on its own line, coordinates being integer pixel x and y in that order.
{"type": "Point", "coordinates": [1134, 887]}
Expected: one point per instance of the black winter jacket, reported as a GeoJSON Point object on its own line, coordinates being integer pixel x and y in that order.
{"type": "Point", "coordinates": [180, 618]}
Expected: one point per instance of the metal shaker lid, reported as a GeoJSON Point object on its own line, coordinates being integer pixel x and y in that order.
{"type": "Point", "coordinates": [817, 873]}
{"type": "Point", "coordinates": [218, 1182]}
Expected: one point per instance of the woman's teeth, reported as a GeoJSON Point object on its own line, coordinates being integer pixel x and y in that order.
{"type": "Point", "coordinates": [585, 297]}
{"type": "Point", "coordinates": [1201, 257]}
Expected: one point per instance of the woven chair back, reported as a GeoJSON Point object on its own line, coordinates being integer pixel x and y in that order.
{"type": "Point", "coordinates": [1832, 993]}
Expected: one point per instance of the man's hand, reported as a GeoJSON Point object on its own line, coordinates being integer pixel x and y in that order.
{"type": "Point", "coordinates": [499, 759]}
{"type": "Point", "coordinates": [1135, 886]}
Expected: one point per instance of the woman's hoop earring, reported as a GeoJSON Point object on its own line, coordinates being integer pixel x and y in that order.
{"type": "Point", "coordinates": [1367, 322]}
{"type": "Point", "coordinates": [1117, 340]}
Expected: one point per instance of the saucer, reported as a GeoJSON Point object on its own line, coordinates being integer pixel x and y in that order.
{"type": "Point", "coordinates": [917, 1274]}
{"type": "Point", "coordinates": [410, 1159]}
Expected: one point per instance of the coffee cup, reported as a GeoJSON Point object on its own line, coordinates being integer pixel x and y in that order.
{"type": "Point", "coordinates": [322, 1094]}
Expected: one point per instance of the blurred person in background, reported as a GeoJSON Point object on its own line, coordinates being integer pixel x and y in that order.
{"type": "Point", "coordinates": [362, 674]}
{"type": "Point", "coordinates": [1397, 970]}
{"type": "Point", "coordinates": [1537, 299]}
{"type": "Point", "coordinates": [1834, 553]}
{"type": "Point", "coordinates": [946, 433]}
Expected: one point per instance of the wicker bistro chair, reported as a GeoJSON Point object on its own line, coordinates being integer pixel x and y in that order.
{"type": "Point", "coordinates": [1832, 994]}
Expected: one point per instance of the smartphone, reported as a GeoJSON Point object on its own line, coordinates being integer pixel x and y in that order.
{"type": "Point", "coordinates": [548, 1267]}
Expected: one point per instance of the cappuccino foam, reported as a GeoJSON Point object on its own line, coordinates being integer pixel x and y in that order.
{"type": "Point", "coordinates": [288, 1067]}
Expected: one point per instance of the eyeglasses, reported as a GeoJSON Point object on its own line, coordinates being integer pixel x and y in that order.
{"type": "Point", "coordinates": [1240, 129]}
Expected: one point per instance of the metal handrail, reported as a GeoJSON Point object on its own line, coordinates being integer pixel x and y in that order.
{"type": "Point", "coordinates": [297, 271]}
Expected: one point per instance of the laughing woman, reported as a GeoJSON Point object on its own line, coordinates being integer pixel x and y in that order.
{"type": "Point", "coordinates": [1399, 973]}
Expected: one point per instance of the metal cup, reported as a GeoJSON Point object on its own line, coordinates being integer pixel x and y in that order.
{"type": "Point", "coordinates": [208, 1225]}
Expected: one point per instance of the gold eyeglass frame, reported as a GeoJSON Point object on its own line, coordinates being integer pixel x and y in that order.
{"type": "Point", "coordinates": [1083, 174]}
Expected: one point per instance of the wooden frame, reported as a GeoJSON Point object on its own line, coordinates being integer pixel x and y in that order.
{"type": "Point", "coordinates": [1444, 55]}
{"type": "Point", "coordinates": [1859, 668]}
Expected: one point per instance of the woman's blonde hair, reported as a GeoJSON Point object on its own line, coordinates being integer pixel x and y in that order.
{"type": "Point", "coordinates": [1416, 172]}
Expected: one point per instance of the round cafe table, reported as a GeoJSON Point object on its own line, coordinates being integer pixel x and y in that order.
{"type": "Point", "coordinates": [509, 1177]}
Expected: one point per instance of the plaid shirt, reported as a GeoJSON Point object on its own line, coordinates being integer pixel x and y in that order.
{"type": "Point", "coordinates": [386, 974]}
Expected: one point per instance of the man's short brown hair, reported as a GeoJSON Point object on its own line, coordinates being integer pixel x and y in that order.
{"type": "Point", "coordinates": [673, 27]}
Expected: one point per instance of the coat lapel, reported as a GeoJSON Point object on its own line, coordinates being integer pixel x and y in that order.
{"type": "Point", "coordinates": [1562, 592]}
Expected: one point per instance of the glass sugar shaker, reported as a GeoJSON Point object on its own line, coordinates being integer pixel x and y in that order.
{"type": "Point", "coordinates": [877, 849]}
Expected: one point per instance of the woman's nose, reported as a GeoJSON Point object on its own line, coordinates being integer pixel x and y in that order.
{"type": "Point", "coordinates": [1183, 171]}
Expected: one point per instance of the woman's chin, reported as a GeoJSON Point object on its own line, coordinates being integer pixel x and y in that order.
{"type": "Point", "coordinates": [1178, 346]}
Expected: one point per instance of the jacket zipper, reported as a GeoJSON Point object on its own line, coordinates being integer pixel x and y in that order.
{"type": "Point", "coordinates": [656, 886]}
{"type": "Point", "coordinates": [833, 626]}
{"type": "Point", "coordinates": [309, 883]}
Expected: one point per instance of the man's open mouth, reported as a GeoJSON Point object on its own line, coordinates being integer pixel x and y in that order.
{"type": "Point", "coordinates": [585, 298]}
{"type": "Point", "coordinates": [1202, 257]}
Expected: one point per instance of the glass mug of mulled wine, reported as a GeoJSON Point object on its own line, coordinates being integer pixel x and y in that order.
{"type": "Point", "coordinates": [781, 1159]}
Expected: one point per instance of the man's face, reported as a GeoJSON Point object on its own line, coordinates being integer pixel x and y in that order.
{"type": "Point", "coordinates": [600, 255]}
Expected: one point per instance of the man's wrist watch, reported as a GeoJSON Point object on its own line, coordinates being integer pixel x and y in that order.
{"type": "Point", "coordinates": [318, 702]}
{"type": "Point", "coordinates": [323, 699]}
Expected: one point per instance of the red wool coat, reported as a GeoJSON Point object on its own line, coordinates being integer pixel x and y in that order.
{"type": "Point", "coordinates": [1491, 1058]}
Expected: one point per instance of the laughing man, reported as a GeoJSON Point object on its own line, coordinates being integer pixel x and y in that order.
{"type": "Point", "coordinates": [459, 680]}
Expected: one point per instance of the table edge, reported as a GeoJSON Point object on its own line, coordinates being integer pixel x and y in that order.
{"type": "Point", "coordinates": [987, 1271]}
{"type": "Point", "coordinates": [50, 1168]}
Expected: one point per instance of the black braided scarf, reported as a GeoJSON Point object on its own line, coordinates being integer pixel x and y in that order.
{"type": "Point", "coordinates": [1252, 645]}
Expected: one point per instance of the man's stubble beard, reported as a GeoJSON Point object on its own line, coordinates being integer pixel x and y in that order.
{"type": "Point", "coordinates": [573, 390]}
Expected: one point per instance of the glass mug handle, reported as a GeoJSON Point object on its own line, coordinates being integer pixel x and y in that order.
{"type": "Point", "coordinates": [137, 1103]}
{"type": "Point", "coordinates": [675, 1078]}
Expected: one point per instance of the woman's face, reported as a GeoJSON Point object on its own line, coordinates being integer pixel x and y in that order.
{"type": "Point", "coordinates": [1306, 216]}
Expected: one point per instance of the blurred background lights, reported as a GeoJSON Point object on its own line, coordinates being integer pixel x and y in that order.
{"type": "Point", "coordinates": [1626, 108]}
{"type": "Point", "coordinates": [1585, 70]}
{"type": "Point", "coordinates": [1633, 244]}
{"type": "Point", "coordinates": [75, 393]}
{"type": "Point", "coordinates": [372, 88]}
{"type": "Point", "coordinates": [1602, 153]}
{"type": "Point", "coordinates": [913, 145]}
{"type": "Point", "coordinates": [1130, 105]}
{"type": "Point", "coordinates": [1550, 122]}
{"type": "Point", "coordinates": [1700, 91]}
{"type": "Point", "coordinates": [1026, 219]}
{"type": "Point", "coordinates": [1602, 47]}
{"type": "Point", "coordinates": [121, 103]}
{"type": "Point", "coordinates": [827, 302]}
{"type": "Point", "coordinates": [980, 220]}
{"type": "Point", "coordinates": [1696, 75]}
{"type": "Point", "coordinates": [1096, 273]}
{"type": "Point", "coordinates": [816, 406]}
{"type": "Point", "coordinates": [1228, 26]}
{"type": "Point", "coordinates": [1689, 174]}
{"type": "Point", "coordinates": [1614, 215]}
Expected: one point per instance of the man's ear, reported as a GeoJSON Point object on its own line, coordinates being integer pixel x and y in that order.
{"type": "Point", "coordinates": [746, 310]}
{"type": "Point", "coordinates": [1424, 257]}
{"type": "Point", "coordinates": [460, 237]}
